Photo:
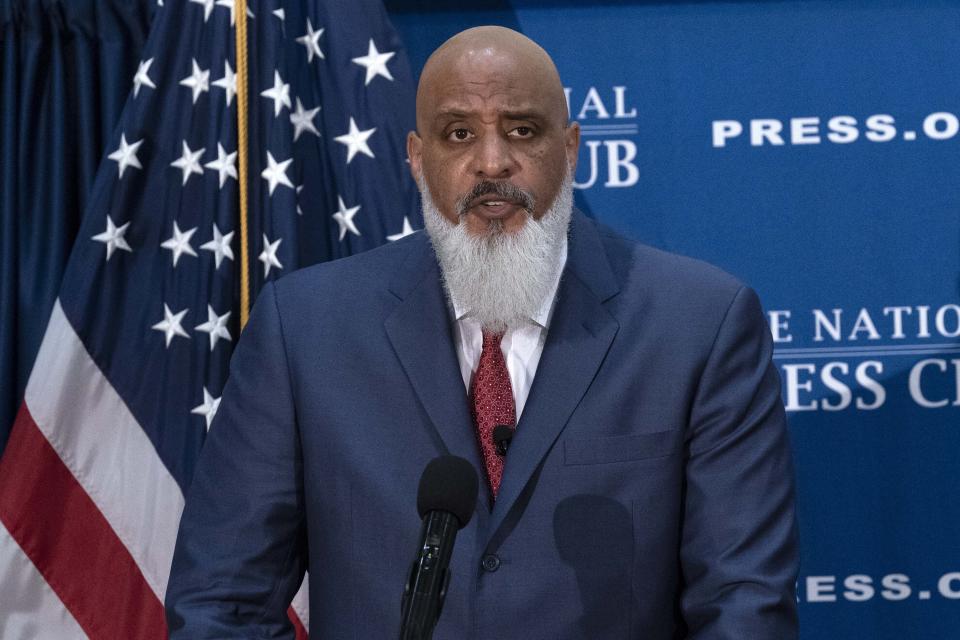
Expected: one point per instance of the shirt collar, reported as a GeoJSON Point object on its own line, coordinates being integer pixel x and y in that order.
{"type": "Point", "coordinates": [543, 314]}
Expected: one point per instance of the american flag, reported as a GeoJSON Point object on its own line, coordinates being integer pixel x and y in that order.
{"type": "Point", "coordinates": [134, 358]}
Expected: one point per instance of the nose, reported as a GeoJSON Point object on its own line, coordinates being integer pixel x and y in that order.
{"type": "Point", "coordinates": [495, 158]}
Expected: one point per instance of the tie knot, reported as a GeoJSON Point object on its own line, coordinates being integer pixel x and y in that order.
{"type": "Point", "coordinates": [491, 338]}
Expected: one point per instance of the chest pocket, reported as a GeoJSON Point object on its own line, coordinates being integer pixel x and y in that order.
{"type": "Point", "coordinates": [639, 446]}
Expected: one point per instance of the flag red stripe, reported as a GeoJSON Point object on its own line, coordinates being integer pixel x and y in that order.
{"type": "Point", "coordinates": [72, 545]}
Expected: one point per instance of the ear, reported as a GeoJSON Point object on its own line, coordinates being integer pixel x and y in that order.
{"type": "Point", "coordinates": [571, 142]}
{"type": "Point", "coordinates": [414, 155]}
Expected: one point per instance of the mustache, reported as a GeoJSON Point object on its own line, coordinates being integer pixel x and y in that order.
{"type": "Point", "coordinates": [503, 190]}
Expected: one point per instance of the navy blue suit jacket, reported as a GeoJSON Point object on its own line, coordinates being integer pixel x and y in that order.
{"type": "Point", "coordinates": [647, 493]}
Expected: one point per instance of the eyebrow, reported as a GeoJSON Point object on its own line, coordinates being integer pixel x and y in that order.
{"type": "Point", "coordinates": [457, 114]}
{"type": "Point", "coordinates": [529, 114]}
{"type": "Point", "coordinates": [451, 114]}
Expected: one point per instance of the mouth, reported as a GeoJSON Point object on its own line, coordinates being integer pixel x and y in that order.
{"type": "Point", "coordinates": [495, 201]}
{"type": "Point", "coordinates": [494, 207]}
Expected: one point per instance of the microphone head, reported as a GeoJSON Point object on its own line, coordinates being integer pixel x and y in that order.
{"type": "Point", "coordinates": [449, 483]}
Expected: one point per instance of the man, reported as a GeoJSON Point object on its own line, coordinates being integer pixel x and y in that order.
{"type": "Point", "coordinates": [647, 489]}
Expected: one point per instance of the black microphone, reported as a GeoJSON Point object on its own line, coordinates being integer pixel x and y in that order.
{"type": "Point", "coordinates": [502, 435]}
{"type": "Point", "coordinates": [446, 499]}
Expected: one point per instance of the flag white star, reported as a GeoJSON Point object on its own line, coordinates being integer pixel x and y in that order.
{"type": "Point", "coordinates": [209, 407]}
{"type": "Point", "coordinates": [216, 326]}
{"type": "Point", "coordinates": [298, 190]}
{"type": "Point", "coordinates": [311, 40]}
{"type": "Point", "coordinates": [344, 218]}
{"type": "Point", "coordinates": [207, 7]}
{"type": "Point", "coordinates": [126, 155]}
{"type": "Point", "coordinates": [280, 14]}
{"type": "Point", "coordinates": [198, 80]}
{"type": "Point", "coordinates": [407, 230]}
{"type": "Point", "coordinates": [302, 120]}
{"type": "Point", "coordinates": [189, 162]}
{"type": "Point", "coordinates": [228, 82]}
{"type": "Point", "coordinates": [375, 63]}
{"type": "Point", "coordinates": [220, 245]}
{"type": "Point", "coordinates": [279, 93]}
{"type": "Point", "coordinates": [356, 141]}
{"type": "Point", "coordinates": [276, 173]}
{"type": "Point", "coordinates": [170, 325]}
{"type": "Point", "coordinates": [225, 165]}
{"type": "Point", "coordinates": [269, 255]}
{"type": "Point", "coordinates": [179, 243]}
{"type": "Point", "coordinates": [113, 237]}
{"type": "Point", "coordinates": [141, 78]}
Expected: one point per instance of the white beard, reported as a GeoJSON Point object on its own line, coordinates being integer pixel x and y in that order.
{"type": "Point", "coordinates": [502, 278]}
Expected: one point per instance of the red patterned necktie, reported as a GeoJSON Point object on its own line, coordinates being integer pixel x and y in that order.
{"type": "Point", "coordinates": [491, 404]}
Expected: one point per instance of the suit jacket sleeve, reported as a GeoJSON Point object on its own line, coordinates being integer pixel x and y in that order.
{"type": "Point", "coordinates": [240, 552]}
{"type": "Point", "coordinates": [739, 547]}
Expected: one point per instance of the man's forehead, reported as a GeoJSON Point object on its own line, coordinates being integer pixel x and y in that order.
{"type": "Point", "coordinates": [489, 71]}
{"type": "Point", "coordinates": [485, 100]}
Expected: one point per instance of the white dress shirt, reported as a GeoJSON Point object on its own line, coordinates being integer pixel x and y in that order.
{"type": "Point", "coordinates": [521, 346]}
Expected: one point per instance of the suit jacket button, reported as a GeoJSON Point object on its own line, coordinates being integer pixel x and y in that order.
{"type": "Point", "coordinates": [491, 562]}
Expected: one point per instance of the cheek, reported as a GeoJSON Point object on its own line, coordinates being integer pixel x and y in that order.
{"type": "Point", "coordinates": [445, 187]}
{"type": "Point", "coordinates": [449, 171]}
{"type": "Point", "coordinates": [439, 183]}
{"type": "Point", "coordinates": [548, 168]}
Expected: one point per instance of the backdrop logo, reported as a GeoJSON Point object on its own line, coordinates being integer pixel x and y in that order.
{"type": "Point", "coordinates": [607, 122]}
{"type": "Point", "coordinates": [892, 587]}
{"type": "Point", "coordinates": [857, 356]}
{"type": "Point", "coordinates": [880, 127]}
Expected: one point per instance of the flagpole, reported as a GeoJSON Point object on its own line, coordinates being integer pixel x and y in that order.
{"type": "Point", "coordinates": [240, 9]}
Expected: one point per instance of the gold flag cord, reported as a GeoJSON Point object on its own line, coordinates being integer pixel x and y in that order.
{"type": "Point", "coordinates": [240, 10]}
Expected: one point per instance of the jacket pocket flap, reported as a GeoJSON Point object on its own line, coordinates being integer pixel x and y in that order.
{"type": "Point", "coordinates": [621, 448]}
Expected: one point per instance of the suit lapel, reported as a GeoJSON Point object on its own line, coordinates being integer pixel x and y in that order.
{"type": "Point", "coordinates": [578, 339]}
{"type": "Point", "coordinates": [421, 333]}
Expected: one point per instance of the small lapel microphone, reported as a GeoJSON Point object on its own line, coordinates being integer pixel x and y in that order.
{"type": "Point", "coordinates": [502, 435]}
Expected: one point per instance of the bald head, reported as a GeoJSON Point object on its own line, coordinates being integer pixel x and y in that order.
{"type": "Point", "coordinates": [492, 115]}
{"type": "Point", "coordinates": [489, 48]}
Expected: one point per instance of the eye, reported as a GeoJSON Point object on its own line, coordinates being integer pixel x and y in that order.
{"type": "Point", "coordinates": [522, 132]}
{"type": "Point", "coordinates": [459, 135]}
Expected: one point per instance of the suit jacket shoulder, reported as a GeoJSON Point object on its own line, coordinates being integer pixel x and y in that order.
{"type": "Point", "coordinates": [689, 298]}
{"type": "Point", "coordinates": [355, 275]}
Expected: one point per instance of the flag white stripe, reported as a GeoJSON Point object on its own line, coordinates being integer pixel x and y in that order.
{"type": "Point", "coordinates": [29, 608]}
{"type": "Point", "coordinates": [100, 442]}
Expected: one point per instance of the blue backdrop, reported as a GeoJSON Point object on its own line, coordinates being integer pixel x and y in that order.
{"type": "Point", "coordinates": [812, 149]}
